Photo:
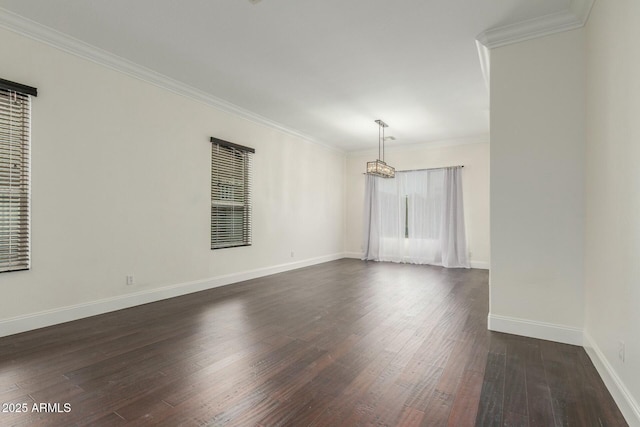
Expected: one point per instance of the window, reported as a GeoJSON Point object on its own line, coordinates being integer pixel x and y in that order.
{"type": "Point", "coordinates": [406, 217]}
{"type": "Point", "coordinates": [15, 119]}
{"type": "Point", "coordinates": [417, 217]}
{"type": "Point", "coordinates": [230, 194]}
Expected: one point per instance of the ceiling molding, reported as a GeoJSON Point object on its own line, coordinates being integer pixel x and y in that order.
{"type": "Point", "coordinates": [36, 31]}
{"type": "Point", "coordinates": [574, 17]}
{"type": "Point", "coordinates": [484, 54]}
{"type": "Point", "coordinates": [582, 9]}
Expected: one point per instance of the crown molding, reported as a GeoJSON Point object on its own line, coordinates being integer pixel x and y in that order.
{"type": "Point", "coordinates": [484, 54]}
{"type": "Point", "coordinates": [582, 9]}
{"type": "Point", "coordinates": [574, 17]}
{"type": "Point", "coordinates": [36, 31]}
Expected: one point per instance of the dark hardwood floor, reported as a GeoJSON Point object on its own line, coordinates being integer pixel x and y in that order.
{"type": "Point", "coordinates": [345, 343]}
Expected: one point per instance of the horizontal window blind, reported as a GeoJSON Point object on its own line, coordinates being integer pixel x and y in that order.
{"type": "Point", "coordinates": [230, 194]}
{"type": "Point", "coordinates": [15, 113]}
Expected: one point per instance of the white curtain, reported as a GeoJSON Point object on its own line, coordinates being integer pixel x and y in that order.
{"type": "Point", "coordinates": [416, 217]}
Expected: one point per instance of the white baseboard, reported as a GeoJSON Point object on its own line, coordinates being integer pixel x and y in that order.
{"type": "Point", "coordinates": [575, 336]}
{"type": "Point", "coordinates": [625, 401]}
{"type": "Point", "coordinates": [42, 319]}
{"type": "Point", "coordinates": [482, 265]}
{"type": "Point", "coordinates": [533, 329]}
{"type": "Point", "coordinates": [355, 255]}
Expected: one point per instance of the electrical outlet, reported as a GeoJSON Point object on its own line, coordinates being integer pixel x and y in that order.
{"type": "Point", "coordinates": [131, 280]}
{"type": "Point", "coordinates": [621, 350]}
{"type": "Point", "coordinates": [292, 254]}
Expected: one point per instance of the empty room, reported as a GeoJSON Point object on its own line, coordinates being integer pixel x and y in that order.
{"type": "Point", "coordinates": [293, 213]}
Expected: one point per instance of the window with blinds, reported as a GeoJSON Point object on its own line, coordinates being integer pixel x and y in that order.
{"type": "Point", "coordinates": [230, 194]}
{"type": "Point", "coordinates": [15, 124]}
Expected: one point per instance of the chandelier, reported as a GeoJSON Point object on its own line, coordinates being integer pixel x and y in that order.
{"type": "Point", "coordinates": [379, 167]}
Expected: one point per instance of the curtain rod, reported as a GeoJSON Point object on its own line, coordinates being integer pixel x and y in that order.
{"type": "Point", "coordinates": [426, 169]}
{"type": "Point", "coordinates": [430, 169]}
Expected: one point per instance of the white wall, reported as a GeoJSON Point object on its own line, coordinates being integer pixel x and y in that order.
{"type": "Point", "coordinates": [121, 185]}
{"type": "Point", "coordinates": [612, 242]}
{"type": "Point", "coordinates": [537, 173]}
{"type": "Point", "coordinates": [475, 183]}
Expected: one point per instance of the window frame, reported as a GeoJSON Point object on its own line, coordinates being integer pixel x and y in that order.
{"type": "Point", "coordinates": [15, 186]}
{"type": "Point", "coordinates": [231, 207]}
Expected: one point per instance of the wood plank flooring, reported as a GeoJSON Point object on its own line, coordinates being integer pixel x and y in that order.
{"type": "Point", "coordinates": [345, 343]}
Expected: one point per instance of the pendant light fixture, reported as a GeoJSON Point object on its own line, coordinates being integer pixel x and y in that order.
{"type": "Point", "coordinates": [379, 167]}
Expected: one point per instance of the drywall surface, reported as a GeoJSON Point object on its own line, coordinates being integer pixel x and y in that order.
{"type": "Point", "coordinates": [612, 238]}
{"type": "Point", "coordinates": [537, 174]}
{"type": "Point", "coordinates": [121, 185]}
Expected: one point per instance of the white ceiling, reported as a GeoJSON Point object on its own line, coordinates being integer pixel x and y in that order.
{"type": "Point", "coordinates": [325, 69]}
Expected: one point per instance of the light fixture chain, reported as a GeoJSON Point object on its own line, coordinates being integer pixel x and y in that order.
{"type": "Point", "coordinates": [379, 143]}
{"type": "Point", "coordinates": [383, 143]}
{"type": "Point", "coordinates": [380, 167]}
